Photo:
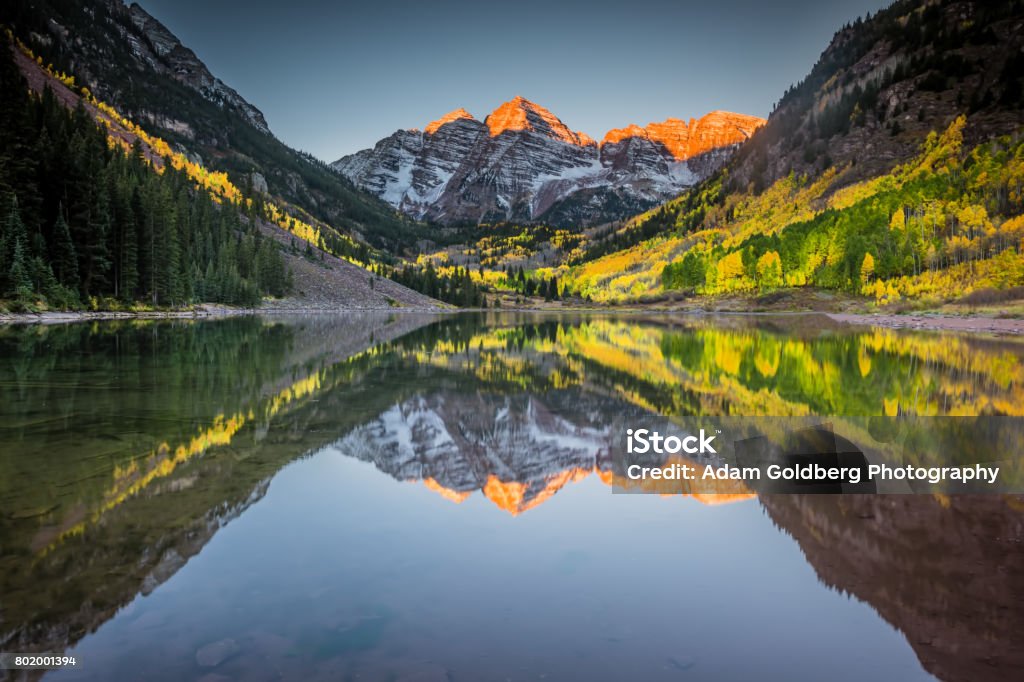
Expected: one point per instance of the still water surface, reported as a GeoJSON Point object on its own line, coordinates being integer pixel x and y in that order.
{"type": "Point", "coordinates": [422, 498]}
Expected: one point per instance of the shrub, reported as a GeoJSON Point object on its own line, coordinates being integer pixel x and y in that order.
{"type": "Point", "coordinates": [988, 296]}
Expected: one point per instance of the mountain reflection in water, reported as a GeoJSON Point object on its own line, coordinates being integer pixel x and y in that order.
{"type": "Point", "coordinates": [127, 447]}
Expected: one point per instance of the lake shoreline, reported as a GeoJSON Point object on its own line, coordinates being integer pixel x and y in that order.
{"type": "Point", "coordinates": [204, 312]}
{"type": "Point", "coordinates": [71, 316]}
{"type": "Point", "coordinates": [972, 324]}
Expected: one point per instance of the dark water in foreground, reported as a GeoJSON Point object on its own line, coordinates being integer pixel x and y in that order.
{"type": "Point", "coordinates": [422, 498]}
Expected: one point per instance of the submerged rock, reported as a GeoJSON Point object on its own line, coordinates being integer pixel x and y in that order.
{"type": "Point", "coordinates": [215, 653]}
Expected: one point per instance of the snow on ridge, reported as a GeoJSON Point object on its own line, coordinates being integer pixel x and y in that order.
{"type": "Point", "coordinates": [395, 190]}
{"type": "Point", "coordinates": [521, 174]}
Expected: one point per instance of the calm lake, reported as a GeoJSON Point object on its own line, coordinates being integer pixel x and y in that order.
{"type": "Point", "coordinates": [405, 497]}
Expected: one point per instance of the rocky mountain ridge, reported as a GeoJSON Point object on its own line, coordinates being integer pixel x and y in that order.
{"type": "Point", "coordinates": [522, 162]}
{"type": "Point", "coordinates": [164, 53]}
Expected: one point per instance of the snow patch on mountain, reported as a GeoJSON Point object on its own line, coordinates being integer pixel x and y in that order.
{"type": "Point", "coordinates": [522, 160]}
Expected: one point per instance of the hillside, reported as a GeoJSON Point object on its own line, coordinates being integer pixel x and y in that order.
{"type": "Point", "coordinates": [129, 60]}
{"type": "Point", "coordinates": [884, 83]}
{"type": "Point", "coordinates": [893, 170]}
{"type": "Point", "coordinates": [100, 214]}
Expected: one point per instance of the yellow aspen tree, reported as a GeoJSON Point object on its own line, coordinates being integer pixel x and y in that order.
{"type": "Point", "coordinates": [867, 268]}
{"type": "Point", "coordinates": [899, 220]}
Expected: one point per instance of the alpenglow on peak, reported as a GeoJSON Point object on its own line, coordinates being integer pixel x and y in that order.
{"type": "Point", "coordinates": [520, 113]}
{"type": "Point", "coordinates": [523, 163]}
{"type": "Point", "coordinates": [456, 115]}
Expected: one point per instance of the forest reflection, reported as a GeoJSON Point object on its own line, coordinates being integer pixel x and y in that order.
{"type": "Point", "coordinates": [140, 399]}
{"type": "Point", "coordinates": [125, 446]}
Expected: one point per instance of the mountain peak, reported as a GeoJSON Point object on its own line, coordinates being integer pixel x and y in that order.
{"type": "Point", "coordinates": [451, 116]}
{"type": "Point", "coordinates": [520, 113]}
{"type": "Point", "coordinates": [731, 118]}
{"type": "Point", "coordinates": [685, 139]}
{"type": "Point", "coordinates": [522, 161]}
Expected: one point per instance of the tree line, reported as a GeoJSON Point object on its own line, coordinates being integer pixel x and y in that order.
{"type": "Point", "coordinates": [457, 288]}
{"type": "Point", "coordinates": [84, 223]}
{"type": "Point", "coordinates": [548, 288]}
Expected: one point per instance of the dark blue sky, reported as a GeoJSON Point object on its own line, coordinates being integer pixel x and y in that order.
{"type": "Point", "coordinates": [334, 77]}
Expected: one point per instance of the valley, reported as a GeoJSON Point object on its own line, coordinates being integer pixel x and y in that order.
{"type": "Point", "coordinates": [876, 178]}
{"type": "Point", "coordinates": [290, 390]}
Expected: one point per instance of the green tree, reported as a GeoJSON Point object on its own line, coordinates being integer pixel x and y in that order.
{"type": "Point", "coordinates": [769, 270]}
{"type": "Point", "coordinates": [63, 256]}
{"type": "Point", "coordinates": [19, 281]}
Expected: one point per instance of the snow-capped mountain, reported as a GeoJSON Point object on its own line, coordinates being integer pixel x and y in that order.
{"type": "Point", "coordinates": [523, 163]}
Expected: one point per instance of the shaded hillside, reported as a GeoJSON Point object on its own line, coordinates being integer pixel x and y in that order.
{"type": "Point", "coordinates": [118, 218]}
{"type": "Point", "coordinates": [93, 217]}
{"type": "Point", "coordinates": [884, 83]}
{"type": "Point", "coordinates": [131, 61]}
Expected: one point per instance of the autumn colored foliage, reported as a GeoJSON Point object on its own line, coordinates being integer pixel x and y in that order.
{"type": "Point", "coordinates": [941, 225]}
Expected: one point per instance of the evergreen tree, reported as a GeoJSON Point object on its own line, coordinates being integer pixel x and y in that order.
{"type": "Point", "coordinates": [63, 256]}
{"type": "Point", "coordinates": [82, 217]}
{"type": "Point", "coordinates": [13, 270]}
{"type": "Point", "coordinates": [19, 283]}
{"type": "Point", "coordinates": [128, 248]}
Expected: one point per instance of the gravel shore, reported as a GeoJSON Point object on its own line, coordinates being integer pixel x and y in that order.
{"type": "Point", "coordinates": [978, 325]}
{"type": "Point", "coordinates": [278, 307]}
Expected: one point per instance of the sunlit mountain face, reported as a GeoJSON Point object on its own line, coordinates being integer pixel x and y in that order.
{"type": "Point", "coordinates": [172, 437]}
{"type": "Point", "coordinates": [523, 163]}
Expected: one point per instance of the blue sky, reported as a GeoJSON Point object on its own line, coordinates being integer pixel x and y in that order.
{"type": "Point", "coordinates": [334, 77]}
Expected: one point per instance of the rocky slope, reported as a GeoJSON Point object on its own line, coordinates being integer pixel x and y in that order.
{"type": "Point", "coordinates": [323, 282]}
{"type": "Point", "coordinates": [523, 163]}
{"type": "Point", "coordinates": [165, 54]}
